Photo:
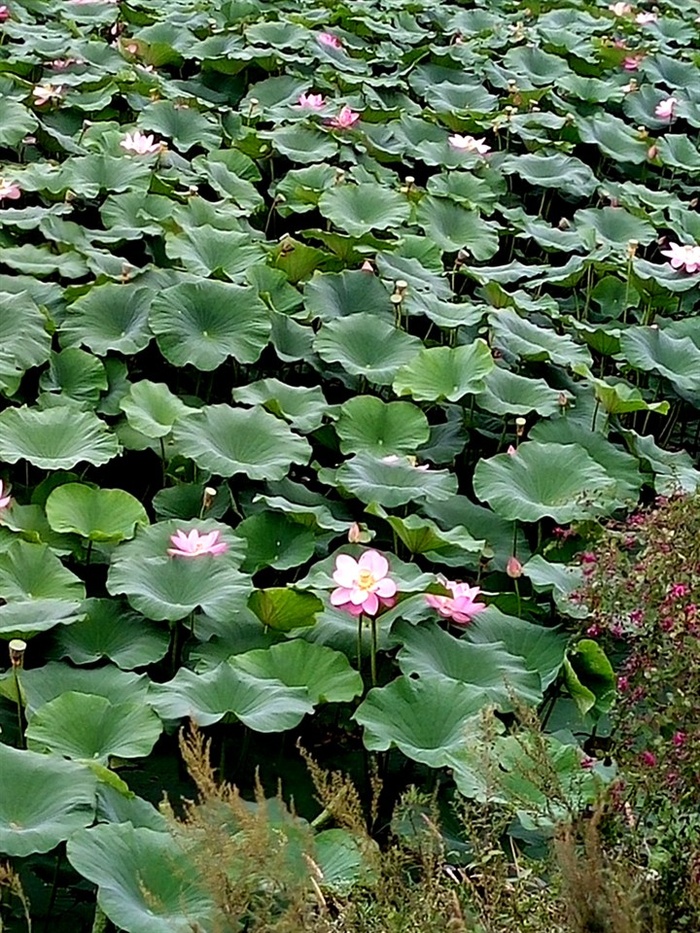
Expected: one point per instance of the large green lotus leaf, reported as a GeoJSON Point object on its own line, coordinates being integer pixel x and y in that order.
{"type": "Point", "coordinates": [145, 880]}
{"type": "Point", "coordinates": [162, 588]}
{"type": "Point", "coordinates": [650, 349]}
{"type": "Point", "coordinates": [110, 630]}
{"type": "Point", "coordinates": [263, 704]}
{"type": "Point", "coordinates": [422, 536]}
{"type": "Point", "coordinates": [429, 650]}
{"type": "Point", "coordinates": [498, 533]}
{"type": "Point", "coordinates": [523, 338]}
{"type": "Point", "coordinates": [43, 684]}
{"type": "Point", "coordinates": [615, 138]}
{"type": "Point", "coordinates": [425, 718]}
{"type": "Point", "coordinates": [82, 725]}
{"type": "Point", "coordinates": [590, 677]}
{"type": "Point", "coordinates": [185, 125]}
{"type": "Point", "coordinates": [151, 408]}
{"type": "Point", "coordinates": [678, 151]}
{"type": "Point", "coordinates": [567, 174]}
{"type": "Point", "coordinates": [207, 251]}
{"type": "Point", "coordinates": [283, 609]}
{"type": "Point", "coordinates": [16, 122]}
{"type": "Point", "coordinates": [453, 228]}
{"type": "Point", "coordinates": [541, 649]}
{"type": "Point", "coordinates": [615, 226]}
{"type": "Point", "coordinates": [618, 397]}
{"type": "Point", "coordinates": [28, 617]}
{"type": "Point", "coordinates": [76, 374]}
{"type": "Point", "coordinates": [561, 579]}
{"type": "Point", "coordinates": [336, 294]}
{"type": "Point", "coordinates": [561, 481]}
{"type": "Point", "coordinates": [185, 501]}
{"type": "Point", "coordinates": [367, 423]}
{"type": "Point", "coordinates": [31, 571]}
{"type": "Point", "coordinates": [359, 209]}
{"type": "Point", "coordinates": [94, 513]}
{"type": "Point", "coordinates": [302, 144]}
{"type": "Point", "coordinates": [275, 541]}
{"type": "Point", "coordinates": [226, 441]}
{"type": "Point", "coordinates": [617, 463]}
{"type": "Point", "coordinates": [326, 674]}
{"type": "Point", "coordinates": [98, 172]}
{"type": "Point", "coordinates": [672, 471]}
{"type": "Point", "coordinates": [204, 322]}
{"type": "Point", "coordinates": [339, 856]}
{"type": "Point", "coordinates": [55, 438]}
{"type": "Point", "coordinates": [445, 372]}
{"type": "Point", "coordinates": [109, 317]}
{"type": "Point", "coordinates": [394, 480]}
{"type": "Point", "coordinates": [507, 393]}
{"type": "Point", "coordinates": [24, 340]}
{"type": "Point", "coordinates": [303, 408]}
{"type": "Point", "coordinates": [44, 801]}
{"type": "Point", "coordinates": [365, 345]}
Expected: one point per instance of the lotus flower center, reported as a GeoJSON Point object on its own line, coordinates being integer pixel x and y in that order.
{"type": "Point", "coordinates": [365, 579]}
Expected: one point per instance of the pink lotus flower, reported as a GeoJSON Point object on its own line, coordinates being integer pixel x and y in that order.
{"type": "Point", "coordinates": [4, 499]}
{"type": "Point", "coordinates": [140, 144]}
{"type": "Point", "coordinates": [363, 585]}
{"type": "Point", "coordinates": [461, 607]}
{"type": "Point", "coordinates": [514, 568]}
{"type": "Point", "coordinates": [328, 39]}
{"type": "Point", "coordinates": [345, 120]}
{"type": "Point", "coordinates": [469, 144]}
{"type": "Point", "coordinates": [311, 101]}
{"type": "Point", "coordinates": [666, 109]}
{"type": "Point", "coordinates": [9, 190]}
{"type": "Point", "coordinates": [644, 19]}
{"type": "Point", "coordinates": [4, 14]}
{"type": "Point", "coordinates": [631, 63]}
{"type": "Point", "coordinates": [60, 64]}
{"type": "Point", "coordinates": [620, 9]}
{"type": "Point", "coordinates": [44, 93]}
{"type": "Point", "coordinates": [683, 256]}
{"type": "Point", "coordinates": [195, 545]}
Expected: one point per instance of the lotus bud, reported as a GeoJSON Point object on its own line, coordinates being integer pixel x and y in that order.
{"type": "Point", "coordinates": [17, 647]}
{"type": "Point", "coordinates": [632, 247]}
{"type": "Point", "coordinates": [514, 568]}
{"type": "Point", "coordinates": [339, 176]}
{"type": "Point", "coordinates": [693, 203]}
{"type": "Point", "coordinates": [511, 451]}
{"type": "Point", "coordinates": [367, 266]}
{"type": "Point", "coordinates": [354, 533]}
{"type": "Point", "coordinates": [652, 152]}
{"type": "Point", "coordinates": [563, 400]}
{"type": "Point", "coordinates": [208, 498]}
{"type": "Point", "coordinates": [520, 424]}
{"type": "Point", "coordinates": [564, 224]}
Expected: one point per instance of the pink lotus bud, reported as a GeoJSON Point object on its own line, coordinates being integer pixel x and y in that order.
{"type": "Point", "coordinates": [354, 533]}
{"type": "Point", "coordinates": [514, 568]}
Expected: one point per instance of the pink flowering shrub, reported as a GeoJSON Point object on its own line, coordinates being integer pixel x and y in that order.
{"type": "Point", "coordinates": [642, 587]}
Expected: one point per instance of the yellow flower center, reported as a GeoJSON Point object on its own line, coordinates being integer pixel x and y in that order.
{"type": "Point", "coordinates": [365, 580]}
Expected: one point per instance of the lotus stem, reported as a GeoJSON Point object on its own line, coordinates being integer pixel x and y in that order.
{"type": "Point", "coordinates": [17, 647]}
{"type": "Point", "coordinates": [373, 657]}
{"type": "Point", "coordinates": [359, 643]}
{"type": "Point", "coordinates": [99, 924]}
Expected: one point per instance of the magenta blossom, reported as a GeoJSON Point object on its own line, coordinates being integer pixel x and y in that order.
{"type": "Point", "coordinates": [4, 498]}
{"type": "Point", "coordinates": [461, 607]}
{"type": "Point", "coordinates": [648, 759]}
{"type": "Point", "coordinates": [195, 544]}
{"type": "Point", "coordinates": [4, 14]}
{"type": "Point", "coordinates": [364, 584]}
{"type": "Point", "coordinates": [311, 101]}
{"type": "Point", "coordinates": [345, 120]}
{"type": "Point", "coordinates": [328, 39]}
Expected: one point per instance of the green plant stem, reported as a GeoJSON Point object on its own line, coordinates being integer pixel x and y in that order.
{"type": "Point", "coordinates": [359, 643]}
{"type": "Point", "coordinates": [373, 658]}
{"type": "Point", "coordinates": [88, 553]}
{"type": "Point", "coordinates": [517, 594]}
{"type": "Point", "coordinates": [20, 719]}
{"type": "Point", "coordinates": [54, 889]}
{"type": "Point", "coordinates": [176, 646]}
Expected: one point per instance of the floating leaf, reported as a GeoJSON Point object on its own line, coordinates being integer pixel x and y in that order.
{"type": "Point", "coordinates": [376, 427]}
{"type": "Point", "coordinates": [445, 373]}
{"type": "Point", "coordinates": [275, 541]}
{"type": "Point", "coordinates": [283, 609]}
{"type": "Point", "coordinates": [365, 345]}
{"type": "Point", "coordinates": [359, 209]}
{"type": "Point", "coordinates": [109, 317]}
